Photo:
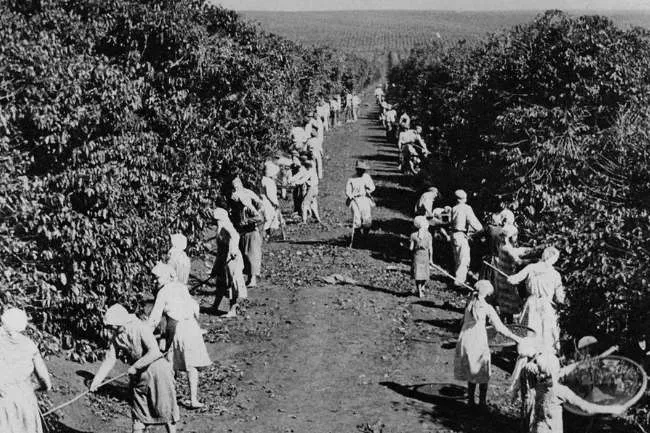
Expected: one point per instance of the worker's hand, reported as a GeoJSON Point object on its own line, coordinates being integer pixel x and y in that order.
{"type": "Point", "coordinates": [93, 386]}
{"type": "Point", "coordinates": [132, 371]}
{"type": "Point", "coordinates": [510, 280]}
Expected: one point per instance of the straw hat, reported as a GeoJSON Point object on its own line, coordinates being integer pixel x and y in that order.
{"type": "Point", "coordinates": [362, 165]}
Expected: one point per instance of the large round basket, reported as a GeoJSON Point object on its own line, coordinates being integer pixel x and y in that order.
{"type": "Point", "coordinates": [496, 340]}
{"type": "Point", "coordinates": [606, 381]}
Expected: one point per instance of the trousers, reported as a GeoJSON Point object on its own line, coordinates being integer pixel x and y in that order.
{"type": "Point", "coordinates": [460, 246]}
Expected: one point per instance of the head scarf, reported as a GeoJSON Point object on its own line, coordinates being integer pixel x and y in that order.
{"type": "Point", "coordinates": [178, 241]}
{"type": "Point", "coordinates": [420, 222]}
{"type": "Point", "coordinates": [550, 255]}
{"type": "Point", "coordinates": [14, 320]}
{"type": "Point", "coordinates": [237, 183]}
{"type": "Point", "coordinates": [220, 214]}
{"type": "Point", "coordinates": [483, 289]}
{"type": "Point", "coordinates": [507, 217]}
{"type": "Point", "coordinates": [164, 271]}
{"type": "Point", "coordinates": [271, 169]}
{"type": "Point", "coordinates": [117, 315]}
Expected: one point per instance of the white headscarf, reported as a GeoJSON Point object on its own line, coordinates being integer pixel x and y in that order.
{"type": "Point", "coordinates": [164, 271]}
{"type": "Point", "coordinates": [179, 241]}
{"type": "Point", "coordinates": [117, 315]}
{"type": "Point", "coordinates": [14, 320]}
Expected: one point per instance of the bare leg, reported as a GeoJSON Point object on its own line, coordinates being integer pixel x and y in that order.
{"type": "Point", "coordinates": [193, 377]}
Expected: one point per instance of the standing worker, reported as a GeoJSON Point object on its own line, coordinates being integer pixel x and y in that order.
{"type": "Point", "coordinates": [228, 268]}
{"type": "Point", "coordinates": [358, 191]}
{"type": "Point", "coordinates": [182, 332]}
{"type": "Point", "coordinates": [544, 287]}
{"type": "Point", "coordinates": [270, 203]}
{"type": "Point", "coordinates": [421, 246]}
{"type": "Point", "coordinates": [19, 360]}
{"type": "Point", "coordinates": [463, 220]}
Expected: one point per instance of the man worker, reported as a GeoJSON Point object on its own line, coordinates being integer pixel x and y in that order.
{"type": "Point", "coordinates": [390, 125]}
{"type": "Point", "coordinates": [463, 221]}
{"type": "Point", "coordinates": [379, 94]}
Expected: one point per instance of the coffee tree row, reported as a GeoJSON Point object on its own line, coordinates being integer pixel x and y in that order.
{"type": "Point", "coordinates": [551, 119]}
{"type": "Point", "coordinates": [119, 120]}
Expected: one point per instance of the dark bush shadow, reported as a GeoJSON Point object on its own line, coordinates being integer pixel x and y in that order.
{"type": "Point", "coordinates": [58, 427]}
{"type": "Point", "coordinates": [446, 306]}
{"type": "Point", "coordinates": [385, 290]}
{"type": "Point", "coordinates": [450, 325]}
{"type": "Point", "coordinates": [118, 390]}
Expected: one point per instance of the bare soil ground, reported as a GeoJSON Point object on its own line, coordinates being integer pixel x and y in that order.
{"type": "Point", "coordinates": [308, 356]}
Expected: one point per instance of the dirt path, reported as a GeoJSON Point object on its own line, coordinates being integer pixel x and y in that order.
{"type": "Point", "coordinates": [308, 356]}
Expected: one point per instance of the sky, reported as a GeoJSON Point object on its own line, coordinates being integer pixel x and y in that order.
{"type": "Point", "coordinates": [459, 5]}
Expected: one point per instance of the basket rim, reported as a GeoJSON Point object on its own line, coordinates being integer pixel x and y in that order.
{"type": "Point", "coordinates": [509, 343]}
{"type": "Point", "coordinates": [632, 401]}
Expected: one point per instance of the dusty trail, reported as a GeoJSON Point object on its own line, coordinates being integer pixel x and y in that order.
{"type": "Point", "coordinates": [316, 357]}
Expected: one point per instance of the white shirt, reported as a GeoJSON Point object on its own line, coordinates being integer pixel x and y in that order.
{"type": "Point", "coordinates": [391, 115]}
{"type": "Point", "coordinates": [463, 218]}
{"type": "Point", "coordinates": [356, 101]}
{"type": "Point", "coordinates": [359, 186]}
{"type": "Point", "coordinates": [175, 301]}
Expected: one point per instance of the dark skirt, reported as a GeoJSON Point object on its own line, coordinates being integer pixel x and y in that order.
{"type": "Point", "coordinates": [153, 394]}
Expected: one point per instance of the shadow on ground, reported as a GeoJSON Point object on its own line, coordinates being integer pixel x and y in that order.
{"type": "Point", "coordinates": [450, 410]}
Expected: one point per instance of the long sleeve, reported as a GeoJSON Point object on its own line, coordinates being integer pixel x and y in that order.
{"type": "Point", "coordinates": [473, 221]}
{"type": "Point", "coordinates": [349, 190]}
{"type": "Point", "coordinates": [158, 307]}
{"type": "Point", "coordinates": [370, 185]}
{"type": "Point", "coordinates": [299, 178]}
{"type": "Point", "coordinates": [520, 276]}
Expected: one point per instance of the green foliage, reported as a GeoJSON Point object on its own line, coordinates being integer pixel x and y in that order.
{"type": "Point", "coordinates": [551, 119]}
{"type": "Point", "coordinates": [119, 120]}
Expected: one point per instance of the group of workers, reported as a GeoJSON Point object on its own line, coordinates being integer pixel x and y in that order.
{"type": "Point", "coordinates": [537, 373]}
{"type": "Point", "coordinates": [154, 362]}
{"type": "Point", "coordinates": [404, 132]}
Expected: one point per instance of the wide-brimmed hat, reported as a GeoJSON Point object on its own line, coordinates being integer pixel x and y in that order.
{"type": "Point", "coordinates": [362, 165]}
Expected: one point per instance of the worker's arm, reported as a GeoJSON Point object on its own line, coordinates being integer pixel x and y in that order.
{"type": "Point", "coordinates": [152, 353]}
{"type": "Point", "coordinates": [105, 368]}
{"type": "Point", "coordinates": [519, 276]}
{"type": "Point", "coordinates": [565, 394]}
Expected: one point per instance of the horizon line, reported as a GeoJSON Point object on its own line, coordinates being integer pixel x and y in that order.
{"type": "Point", "coordinates": [600, 10]}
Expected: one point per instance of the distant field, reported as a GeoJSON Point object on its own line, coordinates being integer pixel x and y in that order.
{"type": "Point", "coordinates": [373, 33]}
